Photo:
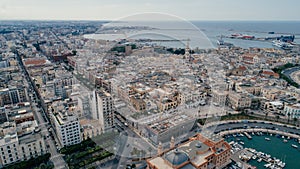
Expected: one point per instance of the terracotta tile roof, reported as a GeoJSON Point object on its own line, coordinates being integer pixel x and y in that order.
{"type": "Point", "coordinates": [35, 62]}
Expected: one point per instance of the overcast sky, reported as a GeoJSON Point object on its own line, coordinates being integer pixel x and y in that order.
{"type": "Point", "coordinates": [114, 9]}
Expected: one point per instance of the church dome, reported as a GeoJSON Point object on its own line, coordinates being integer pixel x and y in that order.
{"type": "Point", "coordinates": [177, 158]}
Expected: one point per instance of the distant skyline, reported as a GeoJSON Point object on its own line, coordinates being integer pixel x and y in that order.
{"type": "Point", "coordinates": [115, 9]}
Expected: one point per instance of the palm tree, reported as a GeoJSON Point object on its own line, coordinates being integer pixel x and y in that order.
{"type": "Point", "coordinates": [266, 115]}
{"type": "Point", "coordinates": [150, 149]}
{"type": "Point", "coordinates": [277, 118]}
{"type": "Point", "coordinates": [295, 120]}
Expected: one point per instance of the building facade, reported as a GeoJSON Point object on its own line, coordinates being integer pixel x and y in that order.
{"type": "Point", "coordinates": [239, 101]}
{"type": "Point", "coordinates": [67, 128]}
{"type": "Point", "coordinates": [15, 148]}
{"type": "Point", "coordinates": [103, 109]}
{"type": "Point", "coordinates": [292, 110]}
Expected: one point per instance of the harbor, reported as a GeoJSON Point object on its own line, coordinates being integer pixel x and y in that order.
{"type": "Point", "coordinates": [285, 42]}
{"type": "Point", "coordinates": [264, 150]}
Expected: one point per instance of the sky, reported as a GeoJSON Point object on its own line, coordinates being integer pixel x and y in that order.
{"type": "Point", "coordinates": [116, 9]}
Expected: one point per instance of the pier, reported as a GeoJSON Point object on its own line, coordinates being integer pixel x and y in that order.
{"type": "Point", "coordinates": [259, 130]}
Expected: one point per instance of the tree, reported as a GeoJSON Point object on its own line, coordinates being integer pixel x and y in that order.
{"type": "Point", "coordinates": [266, 115]}
{"type": "Point", "coordinates": [74, 52]}
{"type": "Point", "coordinates": [150, 149]}
{"type": "Point", "coordinates": [295, 120]}
{"type": "Point", "coordinates": [277, 118]}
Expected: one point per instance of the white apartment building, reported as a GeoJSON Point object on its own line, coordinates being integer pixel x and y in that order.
{"type": "Point", "coordinates": [67, 127]}
{"type": "Point", "coordinates": [103, 109]}
{"type": "Point", "coordinates": [293, 110]}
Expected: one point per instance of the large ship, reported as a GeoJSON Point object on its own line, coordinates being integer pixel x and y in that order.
{"type": "Point", "coordinates": [283, 45]}
{"type": "Point", "coordinates": [222, 43]}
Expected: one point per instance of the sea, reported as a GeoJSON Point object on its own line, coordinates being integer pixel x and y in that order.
{"type": "Point", "coordinates": [275, 147]}
{"type": "Point", "coordinates": [203, 34]}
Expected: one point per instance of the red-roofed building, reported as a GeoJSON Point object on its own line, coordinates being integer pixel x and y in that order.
{"type": "Point", "coordinates": [269, 73]}
{"type": "Point", "coordinates": [35, 62]}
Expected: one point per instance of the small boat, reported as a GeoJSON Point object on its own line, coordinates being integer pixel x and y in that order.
{"type": "Point", "coordinates": [242, 143]}
{"type": "Point", "coordinates": [295, 146]}
{"type": "Point", "coordinates": [268, 139]}
{"type": "Point", "coordinates": [259, 160]}
{"type": "Point", "coordinates": [285, 141]}
{"type": "Point", "coordinates": [254, 157]}
{"type": "Point", "coordinates": [268, 165]}
{"type": "Point", "coordinates": [282, 137]}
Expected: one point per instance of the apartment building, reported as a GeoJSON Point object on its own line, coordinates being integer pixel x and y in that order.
{"type": "Point", "coordinates": [13, 95]}
{"type": "Point", "coordinates": [18, 147]}
{"type": "Point", "coordinates": [103, 109]}
{"type": "Point", "coordinates": [67, 127]}
{"type": "Point", "coordinates": [293, 110]}
{"type": "Point", "coordinates": [239, 101]}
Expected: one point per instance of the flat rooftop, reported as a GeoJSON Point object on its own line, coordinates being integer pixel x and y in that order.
{"type": "Point", "coordinates": [165, 124]}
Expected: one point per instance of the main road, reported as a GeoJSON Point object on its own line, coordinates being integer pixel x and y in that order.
{"type": "Point", "coordinates": [42, 119]}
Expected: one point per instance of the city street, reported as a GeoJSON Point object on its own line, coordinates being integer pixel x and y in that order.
{"type": "Point", "coordinates": [43, 122]}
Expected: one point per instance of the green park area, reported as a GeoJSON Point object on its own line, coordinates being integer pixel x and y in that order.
{"type": "Point", "coordinates": [88, 151]}
{"type": "Point", "coordinates": [40, 162]}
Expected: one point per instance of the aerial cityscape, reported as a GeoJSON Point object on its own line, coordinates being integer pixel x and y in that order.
{"type": "Point", "coordinates": [149, 85]}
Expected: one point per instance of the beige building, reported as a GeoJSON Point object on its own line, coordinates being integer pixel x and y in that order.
{"type": "Point", "coordinates": [220, 97]}
{"type": "Point", "coordinates": [198, 152]}
{"type": "Point", "coordinates": [249, 88]}
{"type": "Point", "coordinates": [138, 103]}
{"type": "Point", "coordinates": [238, 101]}
{"type": "Point", "coordinates": [15, 148]}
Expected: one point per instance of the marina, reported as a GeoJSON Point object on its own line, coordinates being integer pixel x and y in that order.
{"type": "Point", "coordinates": [265, 150]}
